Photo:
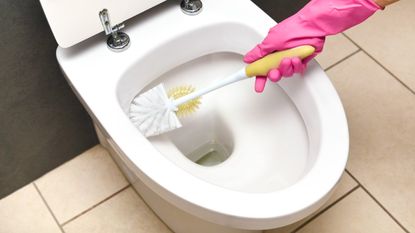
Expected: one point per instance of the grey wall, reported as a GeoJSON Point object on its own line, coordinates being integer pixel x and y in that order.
{"type": "Point", "coordinates": [42, 124]}
{"type": "Point", "coordinates": [280, 9]}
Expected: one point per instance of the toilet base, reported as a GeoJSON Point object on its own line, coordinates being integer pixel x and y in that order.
{"type": "Point", "coordinates": [176, 219]}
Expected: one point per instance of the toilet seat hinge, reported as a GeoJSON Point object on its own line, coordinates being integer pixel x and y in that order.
{"type": "Point", "coordinates": [117, 41]}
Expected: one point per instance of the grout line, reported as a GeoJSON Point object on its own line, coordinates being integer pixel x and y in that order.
{"type": "Point", "coordinates": [136, 192]}
{"type": "Point", "coordinates": [378, 202]}
{"type": "Point", "coordinates": [343, 59]}
{"type": "Point", "coordinates": [326, 208]}
{"type": "Point", "coordinates": [151, 209]}
{"type": "Point", "coordinates": [380, 64]}
{"type": "Point", "coordinates": [47, 206]}
{"type": "Point", "coordinates": [97, 204]}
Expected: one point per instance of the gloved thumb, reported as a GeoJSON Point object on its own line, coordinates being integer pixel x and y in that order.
{"type": "Point", "coordinates": [255, 54]}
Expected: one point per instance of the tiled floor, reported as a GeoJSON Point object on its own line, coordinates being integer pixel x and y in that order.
{"type": "Point", "coordinates": [371, 66]}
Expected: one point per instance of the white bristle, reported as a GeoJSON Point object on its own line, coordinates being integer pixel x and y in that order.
{"type": "Point", "coordinates": [153, 113]}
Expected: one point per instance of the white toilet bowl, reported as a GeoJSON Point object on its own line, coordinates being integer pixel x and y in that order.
{"type": "Point", "coordinates": [244, 162]}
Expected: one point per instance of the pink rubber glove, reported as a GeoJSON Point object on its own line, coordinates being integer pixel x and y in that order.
{"type": "Point", "coordinates": [309, 26]}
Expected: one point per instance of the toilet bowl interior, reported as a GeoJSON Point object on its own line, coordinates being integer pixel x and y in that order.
{"type": "Point", "coordinates": [238, 139]}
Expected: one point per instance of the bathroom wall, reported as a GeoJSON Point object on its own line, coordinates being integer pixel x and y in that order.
{"type": "Point", "coordinates": [42, 124]}
{"type": "Point", "coordinates": [280, 9]}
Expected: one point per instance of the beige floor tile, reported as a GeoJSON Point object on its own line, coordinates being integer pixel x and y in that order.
{"type": "Point", "coordinates": [25, 212]}
{"type": "Point", "coordinates": [389, 36]}
{"type": "Point", "coordinates": [124, 213]}
{"type": "Point", "coordinates": [81, 183]}
{"type": "Point", "coordinates": [356, 213]}
{"type": "Point", "coordinates": [381, 117]}
{"type": "Point", "coordinates": [335, 49]}
{"type": "Point", "coordinates": [345, 185]}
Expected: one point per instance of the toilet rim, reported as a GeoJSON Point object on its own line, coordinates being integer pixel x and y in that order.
{"type": "Point", "coordinates": [223, 205]}
{"type": "Point", "coordinates": [220, 205]}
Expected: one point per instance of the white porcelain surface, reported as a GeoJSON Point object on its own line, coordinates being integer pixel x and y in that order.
{"type": "Point", "coordinates": [286, 164]}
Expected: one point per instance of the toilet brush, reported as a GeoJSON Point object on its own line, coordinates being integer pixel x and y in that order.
{"type": "Point", "coordinates": [155, 111]}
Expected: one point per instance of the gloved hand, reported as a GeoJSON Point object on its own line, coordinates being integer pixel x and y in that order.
{"type": "Point", "coordinates": [309, 26]}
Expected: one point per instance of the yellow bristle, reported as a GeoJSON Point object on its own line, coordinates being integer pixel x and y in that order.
{"type": "Point", "coordinates": [190, 106]}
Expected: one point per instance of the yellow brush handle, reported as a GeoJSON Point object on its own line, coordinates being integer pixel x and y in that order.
{"type": "Point", "coordinates": [262, 66]}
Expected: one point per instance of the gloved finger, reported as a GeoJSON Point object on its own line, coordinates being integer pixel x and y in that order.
{"type": "Point", "coordinates": [260, 82]}
{"type": "Point", "coordinates": [298, 65]}
{"type": "Point", "coordinates": [274, 75]}
{"type": "Point", "coordinates": [286, 67]}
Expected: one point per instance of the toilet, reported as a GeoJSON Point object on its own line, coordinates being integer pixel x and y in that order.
{"type": "Point", "coordinates": [244, 162]}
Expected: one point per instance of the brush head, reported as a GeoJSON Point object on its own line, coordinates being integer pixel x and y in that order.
{"type": "Point", "coordinates": [153, 112]}
{"type": "Point", "coordinates": [190, 106]}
